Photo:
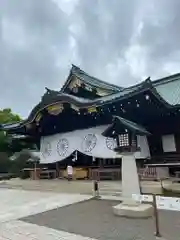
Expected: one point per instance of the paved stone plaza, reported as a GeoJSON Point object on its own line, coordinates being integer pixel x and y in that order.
{"type": "Point", "coordinates": [94, 218]}
{"type": "Point", "coordinates": [16, 204]}
{"type": "Point", "coordinates": [83, 187]}
{"type": "Point", "coordinates": [18, 230]}
{"type": "Point", "coordinates": [36, 215]}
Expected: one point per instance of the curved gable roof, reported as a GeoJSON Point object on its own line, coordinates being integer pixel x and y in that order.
{"type": "Point", "coordinates": [88, 79]}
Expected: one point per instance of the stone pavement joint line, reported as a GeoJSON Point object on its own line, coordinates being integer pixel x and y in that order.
{"type": "Point", "coordinates": [18, 230]}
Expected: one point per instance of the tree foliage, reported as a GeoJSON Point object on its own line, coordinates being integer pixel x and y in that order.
{"type": "Point", "coordinates": [6, 116]}
{"type": "Point", "coordinates": [10, 146]}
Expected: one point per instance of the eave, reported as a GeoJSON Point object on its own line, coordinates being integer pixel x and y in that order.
{"type": "Point", "coordinates": [57, 97]}
{"type": "Point", "coordinates": [116, 126]}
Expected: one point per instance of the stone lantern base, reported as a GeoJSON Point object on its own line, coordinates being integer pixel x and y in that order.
{"type": "Point", "coordinates": [130, 185]}
{"type": "Point", "coordinates": [133, 210]}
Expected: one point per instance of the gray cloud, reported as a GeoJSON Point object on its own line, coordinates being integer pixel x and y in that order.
{"type": "Point", "coordinates": [119, 41]}
{"type": "Point", "coordinates": [107, 26]}
{"type": "Point", "coordinates": [33, 34]}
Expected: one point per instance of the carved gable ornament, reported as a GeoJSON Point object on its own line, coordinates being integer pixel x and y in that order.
{"type": "Point", "coordinates": [55, 109]}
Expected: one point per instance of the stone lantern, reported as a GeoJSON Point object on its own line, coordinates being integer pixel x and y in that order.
{"type": "Point", "coordinates": [125, 132]}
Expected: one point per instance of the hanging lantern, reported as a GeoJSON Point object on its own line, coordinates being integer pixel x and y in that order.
{"type": "Point", "coordinates": [55, 109]}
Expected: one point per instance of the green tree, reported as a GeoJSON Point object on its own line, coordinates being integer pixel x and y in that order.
{"type": "Point", "coordinates": [6, 116]}
{"type": "Point", "coordinates": [10, 146]}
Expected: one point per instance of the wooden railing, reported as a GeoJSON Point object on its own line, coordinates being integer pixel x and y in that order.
{"type": "Point", "coordinates": [148, 173]}
{"type": "Point", "coordinates": [105, 174]}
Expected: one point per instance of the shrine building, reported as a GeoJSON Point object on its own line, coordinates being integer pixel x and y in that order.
{"type": "Point", "coordinates": [67, 125]}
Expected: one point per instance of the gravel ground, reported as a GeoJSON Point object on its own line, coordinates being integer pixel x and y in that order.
{"type": "Point", "coordinates": [94, 218]}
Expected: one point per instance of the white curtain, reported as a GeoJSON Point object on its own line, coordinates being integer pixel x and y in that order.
{"type": "Point", "coordinates": [168, 142]}
{"type": "Point", "coordinates": [142, 142]}
{"type": "Point", "coordinates": [88, 141]}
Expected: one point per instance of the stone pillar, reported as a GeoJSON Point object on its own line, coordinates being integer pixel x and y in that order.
{"type": "Point", "coordinates": [130, 185]}
{"type": "Point", "coordinates": [130, 179]}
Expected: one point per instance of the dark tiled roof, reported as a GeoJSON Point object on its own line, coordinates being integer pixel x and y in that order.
{"type": "Point", "coordinates": [79, 73]}
{"type": "Point", "coordinates": [169, 88]}
{"type": "Point", "coordinates": [118, 123]}
{"type": "Point", "coordinates": [54, 96]}
{"type": "Point", "coordinates": [166, 90]}
{"type": "Point", "coordinates": [132, 126]}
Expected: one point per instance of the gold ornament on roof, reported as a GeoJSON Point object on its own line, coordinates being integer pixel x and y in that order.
{"type": "Point", "coordinates": [38, 117]}
{"type": "Point", "coordinates": [102, 92]}
{"type": "Point", "coordinates": [55, 109]}
{"type": "Point", "coordinates": [75, 83]}
{"type": "Point", "coordinates": [92, 109]}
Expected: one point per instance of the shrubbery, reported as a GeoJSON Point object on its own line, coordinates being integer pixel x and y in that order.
{"type": "Point", "coordinates": [14, 167]}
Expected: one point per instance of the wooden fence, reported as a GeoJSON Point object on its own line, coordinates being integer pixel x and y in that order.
{"type": "Point", "coordinates": [148, 173]}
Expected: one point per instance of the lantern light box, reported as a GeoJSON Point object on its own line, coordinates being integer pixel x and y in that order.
{"type": "Point", "coordinates": [125, 132]}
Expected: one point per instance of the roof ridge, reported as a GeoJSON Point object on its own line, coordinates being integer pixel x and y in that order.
{"type": "Point", "coordinates": [139, 84]}
{"type": "Point", "coordinates": [172, 77]}
{"type": "Point", "coordinates": [95, 78]}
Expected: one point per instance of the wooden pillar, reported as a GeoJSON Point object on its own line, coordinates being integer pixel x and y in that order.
{"type": "Point", "coordinates": [35, 171]}
{"type": "Point", "coordinates": [57, 170]}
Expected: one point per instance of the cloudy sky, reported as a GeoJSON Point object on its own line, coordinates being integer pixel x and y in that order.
{"type": "Point", "coordinates": [119, 41]}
